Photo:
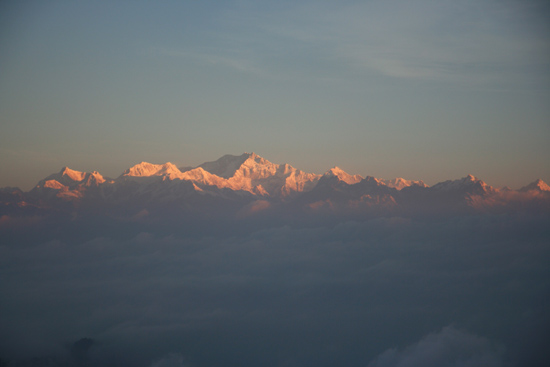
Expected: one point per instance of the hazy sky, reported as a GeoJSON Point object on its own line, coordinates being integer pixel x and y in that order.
{"type": "Point", "coordinates": [428, 90]}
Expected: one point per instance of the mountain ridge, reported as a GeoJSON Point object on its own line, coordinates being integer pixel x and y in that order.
{"type": "Point", "coordinates": [248, 177]}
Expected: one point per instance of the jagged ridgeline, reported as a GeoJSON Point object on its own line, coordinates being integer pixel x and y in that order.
{"type": "Point", "coordinates": [249, 185]}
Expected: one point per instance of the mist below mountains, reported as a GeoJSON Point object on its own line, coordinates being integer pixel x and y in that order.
{"type": "Point", "coordinates": [242, 262]}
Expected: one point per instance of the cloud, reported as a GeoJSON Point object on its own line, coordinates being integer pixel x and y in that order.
{"type": "Point", "coordinates": [317, 294]}
{"type": "Point", "coordinates": [242, 61]}
{"type": "Point", "coordinates": [470, 42]}
{"type": "Point", "coordinates": [448, 348]}
{"type": "Point", "coordinates": [254, 207]}
{"type": "Point", "coordinates": [80, 349]}
{"type": "Point", "coordinates": [9, 221]}
{"type": "Point", "coordinates": [142, 214]}
{"type": "Point", "coordinates": [171, 360]}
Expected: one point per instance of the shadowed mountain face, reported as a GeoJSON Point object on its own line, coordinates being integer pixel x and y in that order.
{"type": "Point", "coordinates": [243, 262]}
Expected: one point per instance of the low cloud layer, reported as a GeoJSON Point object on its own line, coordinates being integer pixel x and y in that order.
{"type": "Point", "coordinates": [379, 292]}
{"type": "Point", "coordinates": [449, 347]}
{"type": "Point", "coordinates": [171, 360]}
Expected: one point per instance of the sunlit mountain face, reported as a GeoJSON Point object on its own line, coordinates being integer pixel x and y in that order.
{"type": "Point", "coordinates": [249, 181]}
{"type": "Point", "coordinates": [244, 262]}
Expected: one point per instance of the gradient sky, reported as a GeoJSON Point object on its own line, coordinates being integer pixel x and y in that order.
{"type": "Point", "coordinates": [430, 90]}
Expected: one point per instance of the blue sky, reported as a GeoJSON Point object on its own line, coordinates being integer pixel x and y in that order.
{"type": "Point", "coordinates": [430, 90]}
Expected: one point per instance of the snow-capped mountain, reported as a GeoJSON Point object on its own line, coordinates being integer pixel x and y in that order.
{"type": "Point", "coordinates": [71, 179]}
{"type": "Point", "coordinates": [341, 175]}
{"type": "Point", "coordinates": [250, 181]}
{"type": "Point", "coordinates": [252, 173]}
{"type": "Point", "coordinates": [400, 183]}
{"type": "Point", "coordinates": [145, 169]}
{"type": "Point", "coordinates": [468, 184]}
{"type": "Point", "coordinates": [538, 185]}
{"type": "Point", "coordinates": [227, 165]}
{"type": "Point", "coordinates": [248, 172]}
{"type": "Point", "coordinates": [68, 184]}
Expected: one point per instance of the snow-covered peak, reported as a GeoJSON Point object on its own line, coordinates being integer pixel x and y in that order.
{"type": "Point", "coordinates": [204, 177]}
{"type": "Point", "coordinates": [253, 173]}
{"type": "Point", "coordinates": [343, 175]}
{"type": "Point", "coordinates": [145, 169]}
{"type": "Point", "coordinates": [249, 165]}
{"type": "Point", "coordinates": [76, 176]}
{"type": "Point", "coordinates": [538, 185]}
{"type": "Point", "coordinates": [227, 165]}
{"type": "Point", "coordinates": [53, 184]}
{"type": "Point", "coordinates": [68, 184]}
{"type": "Point", "coordinates": [255, 168]}
{"type": "Point", "coordinates": [400, 183]}
{"type": "Point", "coordinates": [468, 183]}
{"type": "Point", "coordinates": [94, 179]}
{"type": "Point", "coordinates": [254, 159]}
{"type": "Point", "coordinates": [196, 174]}
{"type": "Point", "coordinates": [248, 175]}
{"type": "Point", "coordinates": [71, 178]}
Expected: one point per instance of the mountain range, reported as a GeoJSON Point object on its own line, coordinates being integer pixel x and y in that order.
{"type": "Point", "coordinates": [248, 184]}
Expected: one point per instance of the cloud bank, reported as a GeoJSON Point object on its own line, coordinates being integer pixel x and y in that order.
{"type": "Point", "coordinates": [374, 292]}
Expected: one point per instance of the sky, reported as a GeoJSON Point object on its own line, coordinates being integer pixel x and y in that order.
{"type": "Point", "coordinates": [430, 90]}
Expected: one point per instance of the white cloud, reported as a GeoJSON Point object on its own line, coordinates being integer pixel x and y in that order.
{"type": "Point", "coordinates": [448, 348]}
{"type": "Point", "coordinates": [171, 360]}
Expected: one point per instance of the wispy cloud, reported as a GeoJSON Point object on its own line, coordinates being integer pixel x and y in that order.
{"type": "Point", "coordinates": [445, 41]}
{"type": "Point", "coordinates": [217, 57]}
